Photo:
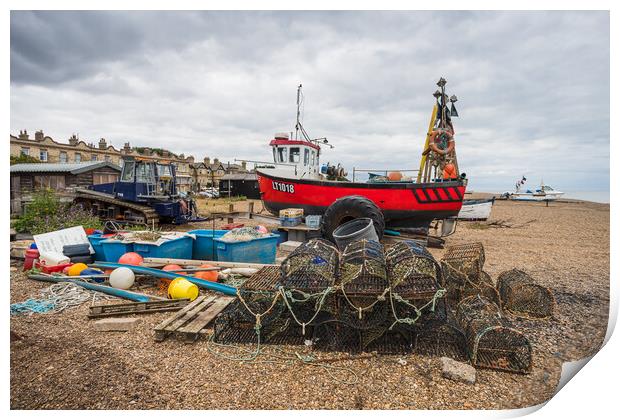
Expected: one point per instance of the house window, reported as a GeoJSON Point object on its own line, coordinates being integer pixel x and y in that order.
{"type": "Point", "coordinates": [43, 155]}
{"type": "Point", "coordinates": [107, 158]}
{"type": "Point", "coordinates": [93, 158]}
{"type": "Point", "coordinates": [55, 182]}
{"type": "Point", "coordinates": [62, 157]}
{"type": "Point", "coordinates": [306, 157]}
{"type": "Point", "coordinates": [78, 157]}
{"type": "Point", "coordinates": [294, 155]}
{"type": "Point", "coordinates": [25, 151]}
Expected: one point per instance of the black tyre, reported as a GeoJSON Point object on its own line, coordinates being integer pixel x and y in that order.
{"type": "Point", "coordinates": [349, 208]}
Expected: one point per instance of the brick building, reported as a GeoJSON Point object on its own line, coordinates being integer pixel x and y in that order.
{"type": "Point", "coordinates": [207, 174]}
{"type": "Point", "coordinates": [48, 150]}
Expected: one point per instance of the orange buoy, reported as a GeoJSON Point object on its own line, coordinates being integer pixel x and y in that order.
{"type": "Point", "coordinates": [175, 268]}
{"type": "Point", "coordinates": [395, 176]}
{"type": "Point", "coordinates": [131, 258]}
{"type": "Point", "coordinates": [207, 275]}
{"type": "Point", "coordinates": [449, 171]}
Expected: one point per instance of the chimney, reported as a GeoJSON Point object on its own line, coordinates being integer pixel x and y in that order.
{"type": "Point", "coordinates": [190, 159]}
{"type": "Point", "coordinates": [38, 135]}
{"type": "Point", "coordinates": [216, 161]}
{"type": "Point", "coordinates": [127, 148]}
{"type": "Point", "coordinates": [23, 135]}
{"type": "Point", "coordinates": [146, 151]}
{"type": "Point", "coordinates": [73, 140]}
{"type": "Point", "coordinates": [182, 156]}
{"type": "Point", "coordinates": [207, 160]}
{"type": "Point", "coordinates": [244, 165]}
{"type": "Point", "coordinates": [102, 143]}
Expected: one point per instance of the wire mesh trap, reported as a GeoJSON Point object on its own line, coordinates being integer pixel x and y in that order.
{"type": "Point", "coordinates": [337, 336]}
{"type": "Point", "coordinates": [438, 338]}
{"type": "Point", "coordinates": [266, 279]}
{"type": "Point", "coordinates": [484, 288]}
{"type": "Point", "coordinates": [363, 270]}
{"type": "Point", "coordinates": [522, 296]}
{"type": "Point", "coordinates": [489, 342]}
{"type": "Point", "coordinates": [311, 267]}
{"type": "Point", "coordinates": [412, 270]}
{"type": "Point", "coordinates": [231, 327]}
{"type": "Point", "coordinates": [463, 263]}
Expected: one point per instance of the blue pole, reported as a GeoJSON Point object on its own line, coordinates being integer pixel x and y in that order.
{"type": "Point", "coordinates": [217, 287]}
{"type": "Point", "coordinates": [125, 294]}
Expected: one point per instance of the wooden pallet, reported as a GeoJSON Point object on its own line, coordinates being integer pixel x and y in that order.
{"type": "Point", "coordinates": [190, 322]}
{"type": "Point", "coordinates": [100, 311]}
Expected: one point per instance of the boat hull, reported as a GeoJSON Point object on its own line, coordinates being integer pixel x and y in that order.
{"type": "Point", "coordinates": [404, 204]}
{"type": "Point", "coordinates": [476, 209]}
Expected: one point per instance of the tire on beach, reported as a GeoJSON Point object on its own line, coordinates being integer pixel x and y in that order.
{"type": "Point", "coordinates": [349, 208]}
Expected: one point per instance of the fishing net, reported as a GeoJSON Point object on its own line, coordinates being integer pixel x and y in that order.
{"type": "Point", "coordinates": [311, 267]}
{"type": "Point", "coordinates": [490, 342]}
{"type": "Point", "coordinates": [522, 296]}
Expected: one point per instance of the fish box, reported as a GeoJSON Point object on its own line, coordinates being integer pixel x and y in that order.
{"type": "Point", "coordinates": [290, 221]}
{"type": "Point", "coordinates": [113, 249]}
{"type": "Point", "coordinates": [180, 248]}
{"type": "Point", "coordinates": [259, 250]}
{"type": "Point", "coordinates": [204, 248]}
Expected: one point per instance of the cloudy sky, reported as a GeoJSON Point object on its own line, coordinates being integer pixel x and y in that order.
{"type": "Point", "coordinates": [533, 87]}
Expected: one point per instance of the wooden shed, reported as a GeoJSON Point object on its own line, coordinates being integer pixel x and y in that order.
{"type": "Point", "coordinates": [61, 177]}
{"type": "Point", "coordinates": [245, 184]}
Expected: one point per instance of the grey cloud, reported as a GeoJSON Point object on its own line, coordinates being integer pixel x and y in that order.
{"type": "Point", "coordinates": [533, 87]}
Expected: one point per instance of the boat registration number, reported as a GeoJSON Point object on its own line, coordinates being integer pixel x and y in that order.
{"type": "Point", "coordinates": [284, 187]}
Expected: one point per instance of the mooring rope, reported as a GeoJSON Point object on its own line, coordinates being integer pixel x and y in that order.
{"type": "Point", "coordinates": [56, 298]}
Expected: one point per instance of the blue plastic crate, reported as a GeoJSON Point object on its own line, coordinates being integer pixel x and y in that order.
{"type": "Point", "coordinates": [290, 221]}
{"type": "Point", "coordinates": [282, 235]}
{"type": "Point", "coordinates": [260, 250]}
{"type": "Point", "coordinates": [95, 242]}
{"type": "Point", "coordinates": [204, 247]}
{"type": "Point", "coordinates": [174, 248]}
{"type": "Point", "coordinates": [313, 221]}
{"type": "Point", "coordinates": [114, 249]}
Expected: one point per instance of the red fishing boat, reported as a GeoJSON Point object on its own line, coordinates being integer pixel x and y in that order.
{"type": "Point", "coordinates": [296, 180]}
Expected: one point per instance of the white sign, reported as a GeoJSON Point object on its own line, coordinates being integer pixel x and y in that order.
{"type": "Point", "coordinates": [54, 241]}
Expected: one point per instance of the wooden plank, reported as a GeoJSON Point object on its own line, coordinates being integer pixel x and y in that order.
{"type": "Point", "coordinates": [99, 311]}
{"type": "Point", "coordinates": [189, 315]}
{"type": "Point", "coordinates": [172, 318]}
{"type": "Point", "coordinates": [203, 319]}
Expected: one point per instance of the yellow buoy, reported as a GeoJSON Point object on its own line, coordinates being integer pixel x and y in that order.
{"type": "Point", "coordinates": [76, 269]}
{"type": "Point", "coordinates": [180, 288]}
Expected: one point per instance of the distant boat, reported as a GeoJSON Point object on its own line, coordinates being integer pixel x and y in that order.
{"type": "Point", "coordinates": [476, 209]}
{"type": "Point", "coordinates": [545, 192]}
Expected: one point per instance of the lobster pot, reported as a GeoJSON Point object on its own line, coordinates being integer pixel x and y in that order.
{"type": "Point", "coordinates": [485, 289]}
{"type": "Point", "coordinates": [430, 311]}
{"type": "Point", "coordinates": [230, 327]}
{"type": "Point", "coordinates": [412, 271]}
{"type": "Point", "coordinates": [260, 302]}
{"type": "Point", "coordinates": [266, 279]}
{"type": "Point", "coordinates": [363, 302]}
{"type": "Point", "coordinates": [522, 296]}
{"type": "Point", "coordinates": [311, 267]}
{"type": "Point", "coordinates": [491, 344]}
{"type": "Point", "coordinates": [441, 339]}
{"type": "Point", "coordinates": [395, 341]}
{"type": "Point", "coordinates": [463, 263]}
{"type": "Point", "coordinates": [337, 336]}
{"type": "Point", "coordinates": [311, 309]}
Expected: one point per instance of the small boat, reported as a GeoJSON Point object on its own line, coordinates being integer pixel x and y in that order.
{"type": "Point", "coordinates": [476, 209]}
{"type": "Point", "coordinates": [296, 179]}
{"type": "Point", "coordinates": [543, 193]}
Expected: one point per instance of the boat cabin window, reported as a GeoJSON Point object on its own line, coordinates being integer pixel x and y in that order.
{"type": "Point", "coordinates": [282, 154]}
{"type": "Point", "coordinates": [306, 157]}
{"type": "Point", "coordinates": [294, 155]}
{"type": "Point", "coordinates": [312, 161]}
{"type": "Point", "coordinates": [128, 168]}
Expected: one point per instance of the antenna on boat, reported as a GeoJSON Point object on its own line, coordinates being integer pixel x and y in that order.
{"type": "Point", "coordinates": [297, 122]}
{"type": "Point", "coordinates": [299, 128]}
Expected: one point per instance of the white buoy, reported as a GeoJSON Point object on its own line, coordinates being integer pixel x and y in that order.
{"type": "Point", "coordinates": [122, 278]}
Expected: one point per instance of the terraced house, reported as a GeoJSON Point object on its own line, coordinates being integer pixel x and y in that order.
{"type": "Point", "coordinates": [45, 149]}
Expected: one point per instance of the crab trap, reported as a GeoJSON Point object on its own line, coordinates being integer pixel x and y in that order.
{"type": "Point", "coordinates": [232, 327]}
{"type": "Point", "coordinates": [412, 270]}
{"type": "Point", "coordinates": [265, 279]}
{"type": "Point", "coordinates": [490, 342]}
{"type": "Point", "coordinates": [311, 267]}
{"type": "Point", "coordinates": [463, 263]}
{"type": "Point", "coordinates": [522, 296]}
{"type": "Point", "coordinates": [439, 338]}
{"type": "Point", "coordinates": [484, 288]}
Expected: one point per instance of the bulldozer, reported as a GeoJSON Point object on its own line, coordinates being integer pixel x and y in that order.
{"type": "Point", "coordinates": [146, 193]}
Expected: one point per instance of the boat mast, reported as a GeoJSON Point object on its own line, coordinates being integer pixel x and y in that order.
{"type": "Point", "coordinates": [297, 123]}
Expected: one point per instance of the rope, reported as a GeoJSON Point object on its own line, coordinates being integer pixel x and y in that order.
{"type": "Point", "coordinates": [56, 298]}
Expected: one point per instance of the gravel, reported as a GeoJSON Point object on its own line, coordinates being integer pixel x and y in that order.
{"type": "Point", "coordinates": [60, 362]}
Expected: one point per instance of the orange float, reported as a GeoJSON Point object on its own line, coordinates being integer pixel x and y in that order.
{"type": "Point", "coordinates": [207, 275]}
{"type": "Point", "coordinates": [131, 258]}
{"type": "Point", "coordinates": [449, 171]}
{"type": "Point", "coordinates": [395, 176]}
